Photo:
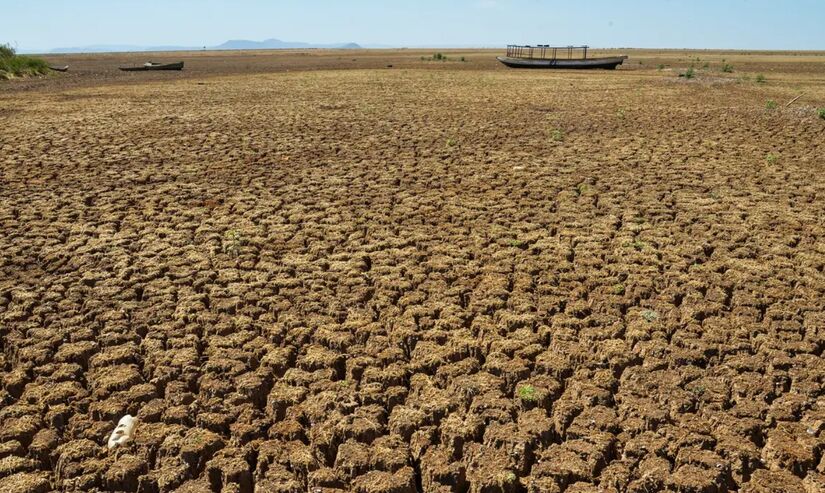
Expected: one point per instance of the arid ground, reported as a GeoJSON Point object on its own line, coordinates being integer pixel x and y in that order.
{"type": "Point", "coordinates": [312, 272]}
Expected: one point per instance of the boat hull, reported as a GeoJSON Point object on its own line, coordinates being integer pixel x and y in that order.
{"type": "Point", "coordinates": [607, 63]}
{"type": "Point", "coordinates": [165, 66]}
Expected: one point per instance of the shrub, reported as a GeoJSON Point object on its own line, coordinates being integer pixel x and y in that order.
{"type": "Point", "coordinates": [557, 135]}
{"type": "Point", "coordinates": [14, 65]}
{"type": "Point", "coordinates": [661, 66]}
{"type": "Point", "coordinates": [771, 104]}
{"type": "Point", "coordinates": [727, 68]}
{"type": "Point", "coordinates": [821, 113]}
{"type": "Point", "coordinates": [6, 51]}
{"type": "Point", "coordinates": [761, 79]}
{"type": "Point", "coordinates": [772, 158]}
{"type": "Point", "coordinates": [688, 74]}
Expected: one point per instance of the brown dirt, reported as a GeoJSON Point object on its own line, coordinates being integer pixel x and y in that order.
{"type": "Point", "coordinates": [307, 273]}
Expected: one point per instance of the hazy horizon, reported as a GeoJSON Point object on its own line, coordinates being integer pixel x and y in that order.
{"type": "Point", "coordinates": [675, 24]}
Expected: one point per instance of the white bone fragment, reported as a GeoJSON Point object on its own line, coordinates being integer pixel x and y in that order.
{"type": "Point", "coordinates": [123, 432]}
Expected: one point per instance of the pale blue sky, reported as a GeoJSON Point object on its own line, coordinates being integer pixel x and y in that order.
{"type": "Point", "coordinates": [752, 24]}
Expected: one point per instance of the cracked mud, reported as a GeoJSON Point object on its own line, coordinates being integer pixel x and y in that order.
{"type": "Point", "coordinates": [390, 281]}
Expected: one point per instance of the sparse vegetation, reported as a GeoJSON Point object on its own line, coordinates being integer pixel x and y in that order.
{"type": "Point", "coordinates": [451, 142]}
{"type": "Point", "coordinates": [650, 315]}
{"type": "Point", "coordinates": [771, 105]}
{"type": "Point", "coordinates": [821, 113]}
{"type": "Point", "coordinates": [618, 289]}
{"type": "Point", "coordinates": [437, 57]}
{"type": "Point", "coordinates": [557, 135]}
{"type": "Point", "coordinates": [772, 158]}
{"type": "Point", "coordinates": [688, 74]}
{"type": "Point", "coordinates": [698, 391]}
{"type": "Point", "coordinates": [661, 66]}
{"type": "Point", "coordinates": [727, 68]}
{"type": "Point", "coordinates": [637, 245]}
{"type": "Point", "coordinates": [14, 65]}
{"type": "Point", "coordinates": [527, 393]}
{"type": "Point", "coordinates": [761, 79]}
{"type": "Point", "coordinates": [232, 242]}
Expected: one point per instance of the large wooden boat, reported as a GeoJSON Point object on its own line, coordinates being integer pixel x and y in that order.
{"type": "Point", "coordinates": [154, 66]}
{"type": "Point", "coordinates": [559, 57]}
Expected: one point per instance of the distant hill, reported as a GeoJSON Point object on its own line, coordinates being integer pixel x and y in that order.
{"type": "Point", "coordinates": [235, 44]}
{"type": "Point", "coordinates": [277, 44]}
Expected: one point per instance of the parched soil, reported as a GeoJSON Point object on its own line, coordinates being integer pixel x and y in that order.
{"type": "Point", "coordinates": [429, 278]}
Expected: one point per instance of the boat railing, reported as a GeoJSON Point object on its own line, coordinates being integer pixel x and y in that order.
{"type": "Point", "coordinates": [547, 52]}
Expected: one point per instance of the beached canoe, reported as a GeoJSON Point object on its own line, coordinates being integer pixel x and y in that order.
{"type": "Point", "coordinates": [154, 66]}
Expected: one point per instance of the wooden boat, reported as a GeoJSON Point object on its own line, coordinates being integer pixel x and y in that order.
{"type": "Point", "coordinates": [154, 66]}
{"type": "Point", "coordinates": [545, 56]}
{"type": "Point", "coordinates": [64, 68]}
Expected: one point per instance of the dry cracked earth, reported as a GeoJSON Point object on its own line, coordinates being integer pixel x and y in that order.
{"type": "Point", "coordinates": [415, 280]}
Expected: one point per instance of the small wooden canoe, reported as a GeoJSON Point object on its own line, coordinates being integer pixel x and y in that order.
{"type": "Point", "coordinates": [64, 68]}
{"type": "Point", "coordinates": [154, 66]}
{"type": "Point", "coordinates": [609, 63]}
